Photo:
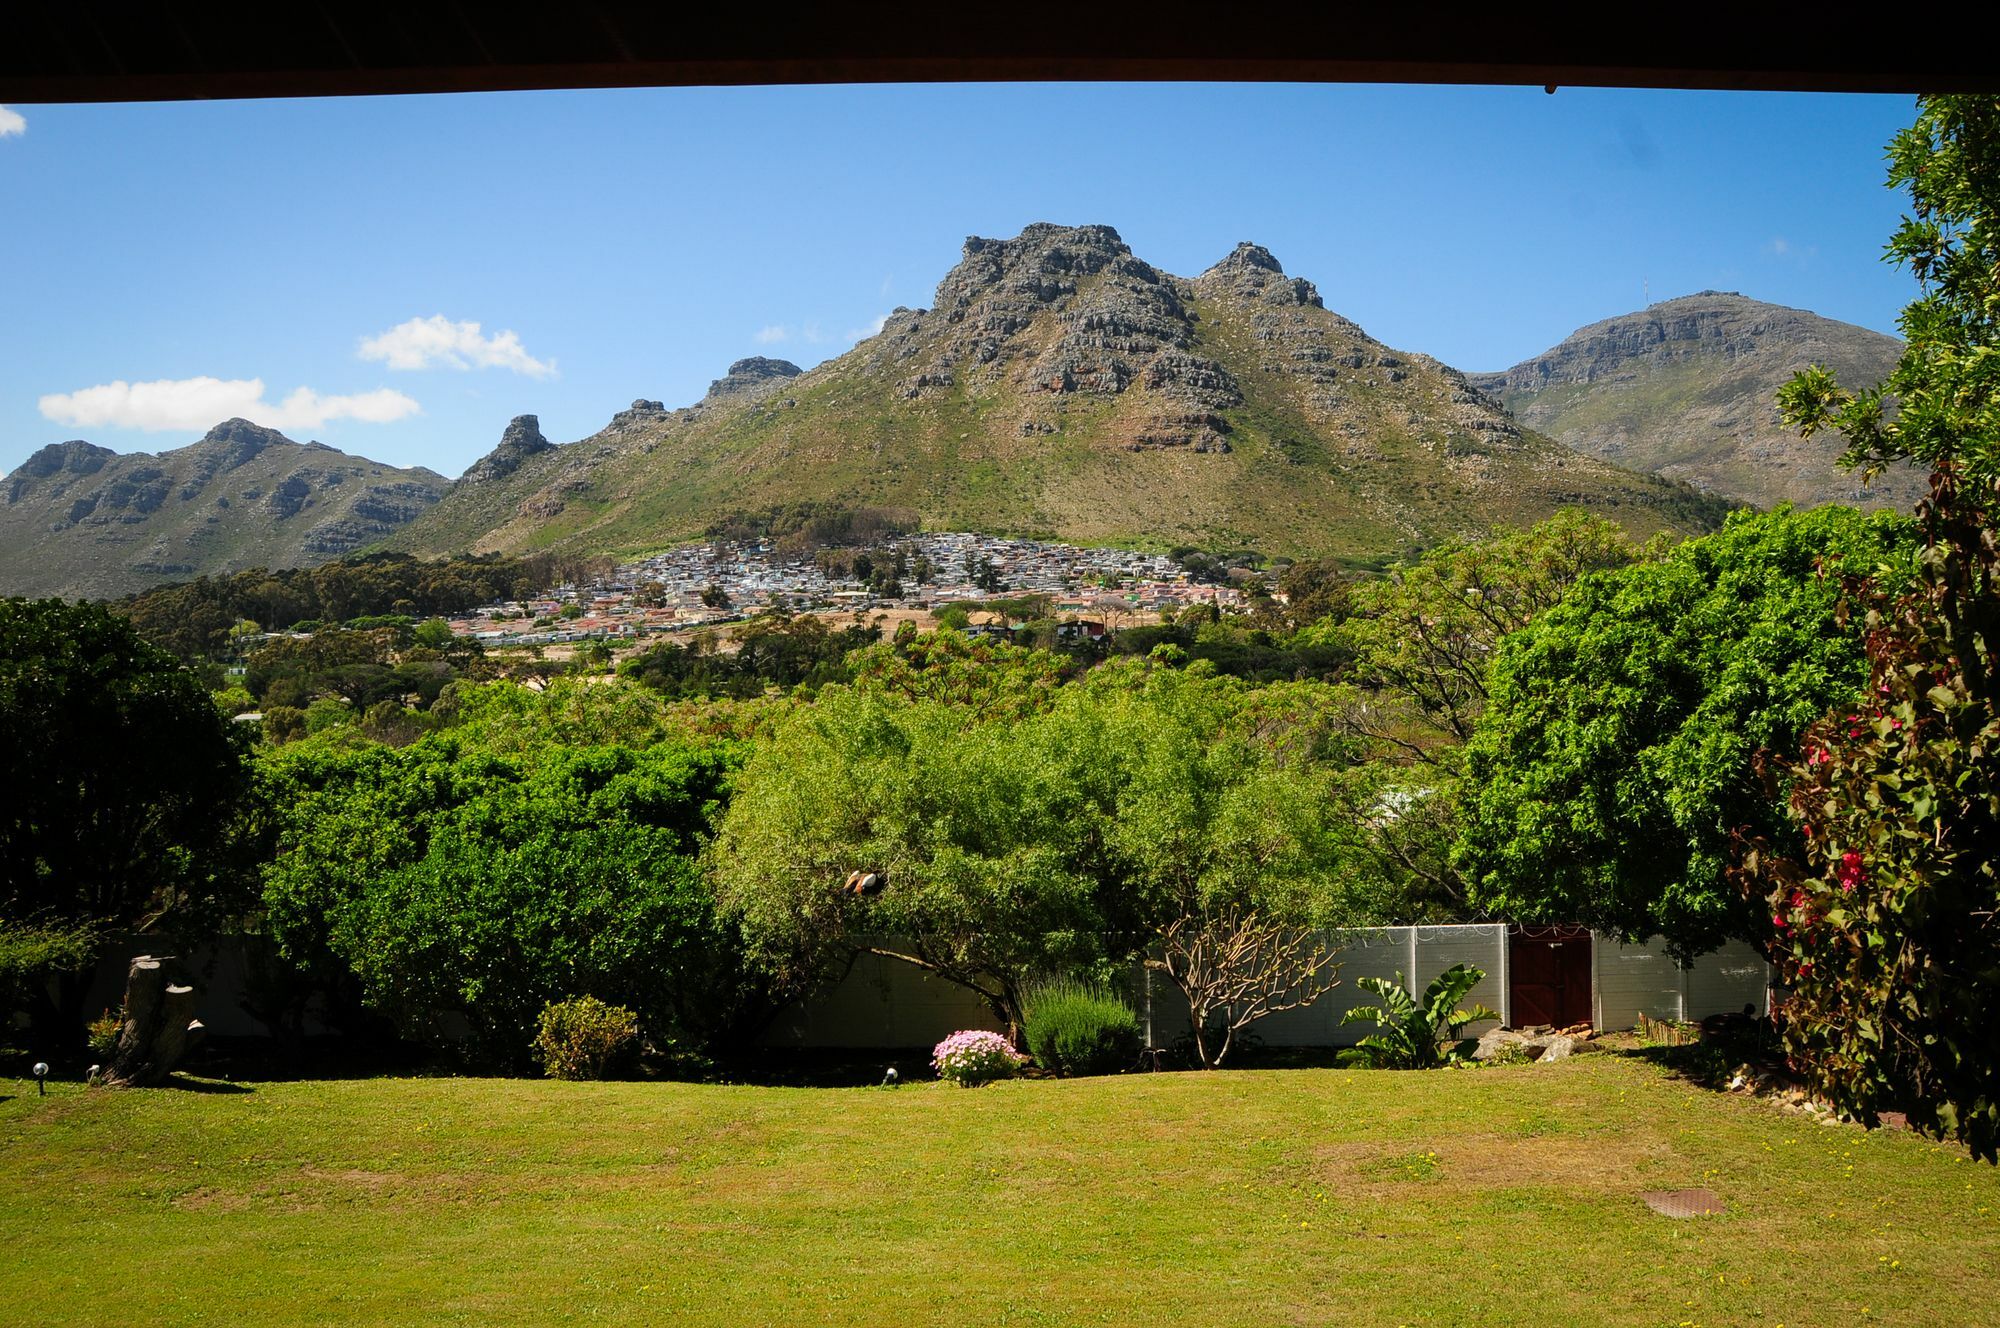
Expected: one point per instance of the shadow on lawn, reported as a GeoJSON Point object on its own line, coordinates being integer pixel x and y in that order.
{"type": "Point", "coordinates": [1712, 1054]}
{"type": "Point", "coordinates": [189, 1085]}
{"type": "Point", "coordinates": [231, 1064]}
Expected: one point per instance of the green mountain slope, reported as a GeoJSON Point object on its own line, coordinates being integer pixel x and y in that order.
{"type": "Point", "coordinates": [1685, 388]}
{"type": "Point", "coordinates": [77, 519]}
{"type": "Point", "coordinates": [1063, 388]}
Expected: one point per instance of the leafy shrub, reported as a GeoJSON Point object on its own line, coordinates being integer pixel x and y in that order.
{"type": "Point", "coordinates": [31, 953]}
{"type": "Point", "coordinates": [1891, 974]}
{"type": "Point", "coordinates": [974, 1056]}
{"type": "Point", "coordinates": [465, 889]}
{"type": "Point", "coordinates": [102, 1032]}
{"type": "Point", "coordinates": [1075, 1028]}
{"type": "Point", "coordinates": [1417, 1035]}
{"type": "Point", "coordinates": [582, 1037]}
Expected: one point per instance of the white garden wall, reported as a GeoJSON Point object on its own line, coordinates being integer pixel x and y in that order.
{"type": "Point", "coordinates": [887, 1003]}
{"type": "Point", "coordinates": [1643, 979]}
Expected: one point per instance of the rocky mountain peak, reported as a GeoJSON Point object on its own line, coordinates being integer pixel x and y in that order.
{"type": "Point", "coordinates": [1043, 263]}
{"type": "Point", "coordinates": [74, 457]}
{"type": "Point", "coordinates": [520, 440]}
{"type": "Point", "coordinates": [1251, 272]}
{"type": "Point", "coordinates": [1065, 308]}
{"type": "Point", "coordinates": [1687, 388]}
{"type": "Point", "coordinates": [751, 377]}
{"type": "Point", "coordinates": [239, 440]}
{"type": "Point", "coordinates": [1248, 255]}
{"type": "Point", "coordinates": [1721, 323]}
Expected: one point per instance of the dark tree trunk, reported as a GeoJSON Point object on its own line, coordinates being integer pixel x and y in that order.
{"type": "Point", "coordinates": [159, 1028]}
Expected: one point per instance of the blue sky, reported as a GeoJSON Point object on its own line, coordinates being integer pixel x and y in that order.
{"type": "Point", "coordinates": [163, 263]}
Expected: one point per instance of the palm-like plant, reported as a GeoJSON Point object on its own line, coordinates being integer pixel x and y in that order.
{"type": "Point", "coordinates": [1417, 1035]}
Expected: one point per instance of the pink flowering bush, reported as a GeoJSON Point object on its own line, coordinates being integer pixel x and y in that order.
{"type": "Point", "coordinates": [1882, 929]}
{"type": "Point", "coordinates": [974, 1056]}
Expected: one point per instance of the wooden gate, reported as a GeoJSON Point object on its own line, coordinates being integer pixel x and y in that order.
{"type": "Point", "coordinates": [1549, 976]}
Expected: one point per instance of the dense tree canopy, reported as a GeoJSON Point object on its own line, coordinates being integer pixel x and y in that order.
{"type": "Point", "coordinates": [1615, 758]}
{"type": "Point", "coordinates": [1055, 842]}
{"type": "Point", "coordinates": [121, 778]}
{"type": "Point", "coordinates": [465, 888]}
{"type": "Point", "coordinates": [195, 619]}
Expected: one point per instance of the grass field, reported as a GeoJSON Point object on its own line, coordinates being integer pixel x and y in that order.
{"type": "Point", "coordinates": [1499, 1196]}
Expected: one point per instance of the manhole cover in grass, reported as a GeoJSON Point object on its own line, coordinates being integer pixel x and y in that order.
{"type": "Point", "coordinates": [1683, 1203]}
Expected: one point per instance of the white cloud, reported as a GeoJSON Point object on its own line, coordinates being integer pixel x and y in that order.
{"type": "Point", "coordinates": [11, 122]}
{"type": "Point", "coordinates": [438, 343]}
{"type": "Point", "coordinates": [181, 404]}
{"type": "Point", "coordinates": [772, 333]}
{"type": "Point", "coordinates": [1780, 247]}
{"type": "Point", "coordinates": [873, 326]}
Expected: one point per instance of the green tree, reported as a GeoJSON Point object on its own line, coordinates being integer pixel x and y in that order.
{"type": "Point", "coordinates": [121, 781]}
{"type": "Point", "coordinates": [1419, 645]}
{"type": "Point", "coordinates": [1223, 833]}
{"type": "Point", "coordinates": [434, 634]}
{"type": "Point", "coordinates": [464, 889]}
{"type": "Point", "coordinates": [1424, 636]}
{"type": "Point", "coordinates": [1037, 840]}
{"type": "Point", "coordinates": [988, 839]}
{"type": "Point", "coordinates": [1615, 758]}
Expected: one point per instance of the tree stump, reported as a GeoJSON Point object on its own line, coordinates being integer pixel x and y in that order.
{"type": "Point", "coordinates": [159, 1028]}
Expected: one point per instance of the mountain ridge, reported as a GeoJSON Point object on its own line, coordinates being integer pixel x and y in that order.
{"type": "Point", "coordinates": [1687, 388]}
{"type": "Point", "coordinates": [78, 519]}
{"type": "Point", "coordinates": [1061, 387]}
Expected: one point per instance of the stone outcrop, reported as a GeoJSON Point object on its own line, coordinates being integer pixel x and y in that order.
{"type": "Point", "coordinates": [1534, 1044]}
{"type": "Point", "coordinates": [521, 440]}
{"type": "Point", "coordinates": [749, 378]}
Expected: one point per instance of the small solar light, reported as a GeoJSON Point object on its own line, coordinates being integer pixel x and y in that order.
{"type": "Point", "coordinates": [891, 1079]}
{"type": "Point", "coordinates": [41, 1075]}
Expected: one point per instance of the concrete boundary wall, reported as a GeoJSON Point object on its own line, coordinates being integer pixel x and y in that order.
{"type": "Point", "coordinates": [887, 1003]}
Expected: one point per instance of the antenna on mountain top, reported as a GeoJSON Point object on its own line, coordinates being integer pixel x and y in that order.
{"type": "Point", "coordinates": [1646, 284]}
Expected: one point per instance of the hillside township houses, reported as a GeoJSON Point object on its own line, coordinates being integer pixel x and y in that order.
{"type": "Point", "coordinates": [665, 593]}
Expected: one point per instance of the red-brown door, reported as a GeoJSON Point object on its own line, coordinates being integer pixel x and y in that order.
{"type": "Point", "coordinates": [1549, 975]}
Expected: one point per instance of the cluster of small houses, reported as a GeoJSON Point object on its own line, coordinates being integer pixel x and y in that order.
{"type": "Point", "coordinates": [1089, 588]}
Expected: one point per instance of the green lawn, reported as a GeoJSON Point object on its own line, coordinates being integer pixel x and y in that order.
{"type": "Point", "coordinates": [1504, 1196]}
